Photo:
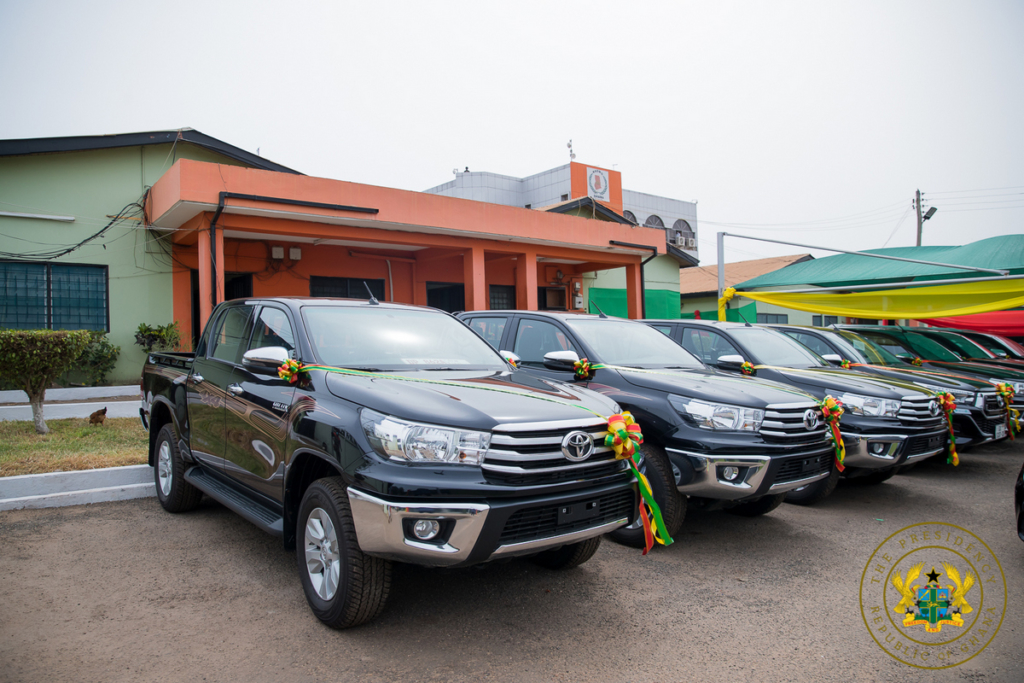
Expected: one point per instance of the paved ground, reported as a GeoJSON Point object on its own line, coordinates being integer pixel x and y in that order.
{"type": "Point", "coordinates": [126, 592]}
{"type": "Point", "coordinates": [120, 401]}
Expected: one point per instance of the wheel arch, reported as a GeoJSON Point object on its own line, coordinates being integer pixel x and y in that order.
{"type": "Point", "coordinates": [305, 468]}
{"type": "Point", "coordinates": [160, 415]}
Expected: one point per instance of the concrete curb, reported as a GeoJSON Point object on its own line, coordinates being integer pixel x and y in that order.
{"type": "Point", "coordinates": [58, 489]}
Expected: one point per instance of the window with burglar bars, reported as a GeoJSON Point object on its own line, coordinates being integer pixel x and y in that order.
{"type": "Point", "coordinates": [816, 320]}
{"type": "Point", "coordinates": [773, 318]}
{"type": "Point", "coordinates": [53, 296]}
{"type": "Point", "coordinates": [345, 287]}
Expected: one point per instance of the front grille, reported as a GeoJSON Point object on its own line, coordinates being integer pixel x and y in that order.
{"type": "Point", "coordinates": [994, 405]}
{"type": "Point", "coordinates": [916, 412]}
{"type": "Point", "coordinates": [802, 468]}
{"type": "Point", "coordinates": [916, 445]}
{"type": "Point", "coordinates": [530, 524]}
{"type": "Point", "coordinates": [989, 425]}
{"type": "Point", "coordinates": [784, 423]}
{"type": "Point", "coordinates": [531, 458]}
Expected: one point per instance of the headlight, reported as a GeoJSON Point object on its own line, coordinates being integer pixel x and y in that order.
{"type": "Point", "coordinates": [960, 395]}
{"type": "Point", "coordinates": [870, 405]}
{"type": "Point", "coordinates": [718, 415]}
{"type": "Point", "coordinates": [412, 442]}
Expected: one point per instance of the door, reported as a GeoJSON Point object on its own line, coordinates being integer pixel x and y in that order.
{"type": "Point", "coordinates": [708, 345]}
{"type": "Point", "coordinates": [491, 328]}
{"type": "Point", "coordinates": [258, 404]}
{"type": "Point", "coordinates": [207, 384]}
{"type": "Point", "coordinates": [534, 338]}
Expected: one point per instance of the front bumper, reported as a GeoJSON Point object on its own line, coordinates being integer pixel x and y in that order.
{"type": "Point", "coordinates": [880, 451]}
{"type": "Point", "coordinates": [487, 530]}
{"type": "Point", "coordinates": [759, 475]}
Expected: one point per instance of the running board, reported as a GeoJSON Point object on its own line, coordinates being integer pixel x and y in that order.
{"type": "Point", "coordinates": [228, 496]}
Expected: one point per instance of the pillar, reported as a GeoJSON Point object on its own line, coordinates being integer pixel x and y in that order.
{"type": "Point", "coordinates": [474, 279]}
{"type": "Point", "coordinates": [634, 291]}
{"type": "Point", "coordinates": [526, 281]}
{"type": "Point", "coordinates": [206, 279]}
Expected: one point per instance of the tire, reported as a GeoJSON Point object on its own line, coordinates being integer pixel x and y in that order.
{"type": "Point", "coordinates": [816, 492]}
{"type": "Point", "coordinates": [568, 556]}
{"type": "Point", "coordinates": [174, 493]}
{"type": "Point", "coordinates": [658, 470]}
{"type": "Point", "coordinates": [756, 508]}
{"type": "Point", "coordinates": [875, 478]}
{"type": "Point", "coordinates": [355, 587]}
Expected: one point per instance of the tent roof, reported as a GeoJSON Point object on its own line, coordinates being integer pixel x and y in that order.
{"type": "Point", "coordinates": [1004, 252]}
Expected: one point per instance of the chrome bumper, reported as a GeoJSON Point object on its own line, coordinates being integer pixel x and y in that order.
{"type": "Point", "coordinates": [381, 532]}
{"type": "Point", "coordinates": [706, 482]}
{"type": "Point", "coordinates": [859, 449]}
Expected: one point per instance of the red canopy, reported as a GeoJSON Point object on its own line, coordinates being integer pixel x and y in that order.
{"type": "Point", "coordinates": [1006, 323]}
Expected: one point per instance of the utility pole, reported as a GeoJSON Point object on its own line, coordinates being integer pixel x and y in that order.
{"type": "Point", "coordinates": [920, 221]}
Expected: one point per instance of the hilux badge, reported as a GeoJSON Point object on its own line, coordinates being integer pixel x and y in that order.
{"type": "Point", "coordinates": [577, 446]}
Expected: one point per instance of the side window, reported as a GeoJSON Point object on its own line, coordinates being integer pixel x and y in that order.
{"type": "Point", "coordinates": [228, 339]}
{"type": "Point", "coordinates": [667, 331]}
{"type": "Point", "coordinates": [887, 343]}
{"type": "Point", "coordinates": [490, 329]}
{"type": "Point", "coordinates": [534, 338]}
{"type": "Point", "coordinates": [273, 328]}
{"type": "Point", "coordinates": [707, 345]}
{"type": "Point", "coordinates": [812, 342]}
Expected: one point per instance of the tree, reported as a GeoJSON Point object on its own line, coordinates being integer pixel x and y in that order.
{"type": "Point", "coordinates": [33, 359]}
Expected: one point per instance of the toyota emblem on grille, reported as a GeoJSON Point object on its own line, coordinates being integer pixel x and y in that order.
{"type": "Point", "coordinates": [577, 446]}
{"type": "Point", "coordinates": [810, 419]}
{"type": "Point", "coordinates": [933, 408]}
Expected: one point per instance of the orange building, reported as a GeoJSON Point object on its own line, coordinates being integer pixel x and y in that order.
{"type": "Point", "coordinates": [239, 231]}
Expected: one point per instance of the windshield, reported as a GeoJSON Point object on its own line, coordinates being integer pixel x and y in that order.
{"type": "Point", "coordinates": [996, 344]}
{"type": "Point", "coordinates": [774, 348]}
{"type": "Point", "coordinates": [869, 351]}
{"type": "Point", "coordinates": [632, 344]}
{"type": "Point", "coordinates": [929, 349]}
{"type": "Point", "coordinates": [965, 346]}
{"type": "Point", "coordinates": [379, 338]}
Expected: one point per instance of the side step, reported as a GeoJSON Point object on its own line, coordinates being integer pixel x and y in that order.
{"type": "Point", "coordinates": [260, 515]}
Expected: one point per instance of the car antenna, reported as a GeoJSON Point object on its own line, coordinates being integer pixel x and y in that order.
{"type": "Point", "coordinates": [373, 299]}
{"type": "Point", "coordinates": [745, 321]}
{"type": "Point", "coordinates": [601, 313]}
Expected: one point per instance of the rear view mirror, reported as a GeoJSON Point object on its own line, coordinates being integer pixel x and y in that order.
{"type": "Point", "coordinates": [265, 360]}
{"type": "Point", "coordinates": [833, 358]}
{"type": "Point", "coordinates": [561, 360]}
{"type": "Point", "coordinates": [729, 362]}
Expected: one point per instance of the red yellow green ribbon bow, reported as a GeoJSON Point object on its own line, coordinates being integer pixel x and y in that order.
{"type": "Point", "coordinates": [1012, 415]}
{"type": "Point", "coordinates": [832, 410]}
{"type": "Point", "coordinates": [582, 369]}
{"type": "Point", "coordinates": [747, 368]}
{"type": "Point", "coordinates": [624, 437]}
{"type": "Point", "coordinates": [948, 404]}
{"type": "Point", "coordinates": [290, 370]}
{"type": "Point", "coordinates": [917, 361]}
{"type": "Point", "coordinates": [844, 364]}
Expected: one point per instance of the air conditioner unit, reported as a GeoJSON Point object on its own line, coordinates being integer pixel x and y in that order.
{"type": "Point", "coordinates": [691, 242]}
{"type": "Point", "coordinates": [677, 240]}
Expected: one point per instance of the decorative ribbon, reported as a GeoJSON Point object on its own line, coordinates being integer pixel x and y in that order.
{"type": "Point", "coordinates": [747, 368]}
{"type": "Point", "coordinates": [832, 410]}
{"type": "Point", "coordinates": [1012, 415]}
{"type": "Point", "coordinates": [727, 296]}
{"type": "Point", "coordinates": [624, 438]}
{"type": "Point", "coordinates": [582, 370]}
{"type": "Point", "coordinates": [917, 361]}
{"type": "Point", "coordinates": [511, 361]}
{"type": "Point", "coordinates": [844, 364]}
{"type": "Point", "coordinates": [948, 404]}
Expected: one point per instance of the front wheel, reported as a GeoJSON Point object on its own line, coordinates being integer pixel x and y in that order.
{"type": "Point", "coordinates": [656, 467]}
{"type": "Point", "coordinates": [568, 556]}
{"type": "Point", "coordinates": [756, 508]}
{"type": "Point", "coordinates": [816, 492]}
{"type": "Point", "coordinates": [343, 586]}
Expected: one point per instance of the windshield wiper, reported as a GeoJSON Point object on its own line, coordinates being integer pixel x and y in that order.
{"type": "Point", "coordinates": [361, 368]}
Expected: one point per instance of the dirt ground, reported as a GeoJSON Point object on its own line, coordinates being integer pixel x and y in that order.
{"type": "Point", "coordinates": [126, 592]}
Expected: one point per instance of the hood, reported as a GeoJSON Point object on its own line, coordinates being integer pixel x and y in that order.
{"type": "Point", "coordinates": [979, 369]}
{"type": "Point", "coordinates": [478, 400]}
{"type": "Point", "coordinates": [819, 381]}
{"type": "Point", "coordinates": [947, 381]}
{"type": "Point", "coordinates": [705, 385]}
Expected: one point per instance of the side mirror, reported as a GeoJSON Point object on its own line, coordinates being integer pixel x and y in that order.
{"type": "Point", "coordinates": [1000, 354]}
{"type": "Point", "coordinates": [729, 362]}
{"type": "Point", "coordinates": [265, 360]}
{"type": "Point", "coordinates": [906, 357]}
{"type": "Point", "coordinates": [513, 359]}
{"type": "Point", "coordinates": [833, 358]}
{"type": "Point", "coordinates": [563, 361]}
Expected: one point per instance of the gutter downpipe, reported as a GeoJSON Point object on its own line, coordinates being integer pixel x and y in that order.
{"type": "Point", "coordinates": [643, 284]}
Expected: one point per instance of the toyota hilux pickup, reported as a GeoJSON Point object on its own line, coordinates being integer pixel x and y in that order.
{"type": "Point", "coordinates": [363, 433]}
{"type": "Point", "coordinates": [886, 423]}
{"type": "Point", "coordinates": [710, 441]}
{"type": "Point", "coordinates": [979, 416]}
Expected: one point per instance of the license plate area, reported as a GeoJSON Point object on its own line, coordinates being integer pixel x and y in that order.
{"type": "Point", "coordinates": [1000, 432]}
{"type": "Point", "coordinates": [935, 442]}
{"type": "Point", "coordinates": [575, 512]}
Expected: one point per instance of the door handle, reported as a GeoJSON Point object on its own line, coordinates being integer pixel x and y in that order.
{"type": "Point", "coordinates": [236, 389]}
{"type": "Point", "coordinates": [197, 378]}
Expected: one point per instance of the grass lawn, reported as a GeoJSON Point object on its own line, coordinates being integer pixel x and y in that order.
{"type": "Point", "coordinates": [71, 445]}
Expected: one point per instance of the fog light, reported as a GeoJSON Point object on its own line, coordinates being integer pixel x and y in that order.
{"type": "Point", "coordinates": [426, 529]}
{"type": "Point", "coordinates": [730, 473]}
{"type": "Point", "coordinates": [878, 447]}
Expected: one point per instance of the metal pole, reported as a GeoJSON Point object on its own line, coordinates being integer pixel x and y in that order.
{"type": "Point", "coordinates": [858, 253]}
{"type": "Point", "coordinates": [920, 223]}
{"type": "Point", "coordinates": [721, 264]}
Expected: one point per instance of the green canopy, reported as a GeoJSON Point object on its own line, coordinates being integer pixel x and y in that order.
{"type": "Point", "coordinates": [1005, 252]}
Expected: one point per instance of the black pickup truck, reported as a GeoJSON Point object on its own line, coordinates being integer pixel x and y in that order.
{"type": "Point", "coordinates": [886, 424]}
{"type": "Point", "coordinates": [414, 441]}
{"type": "Point", "coordinates": [738, 444]}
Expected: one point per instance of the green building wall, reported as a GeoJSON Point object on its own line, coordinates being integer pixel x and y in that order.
{"type": "Point", "coordinates": [607, 289]}
{"type": "Point", "coordinates": [93, 186]}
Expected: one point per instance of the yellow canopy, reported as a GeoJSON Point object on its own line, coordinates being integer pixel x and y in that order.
{"type": "Point", "coordinates": [910, 302]}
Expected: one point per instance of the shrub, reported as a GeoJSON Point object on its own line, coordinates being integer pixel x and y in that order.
{"type": "Point", "coordinates": [32, 359]}
{"type": "Point", "coordinates": [96, 361]}
{"type": "Point", "coordinates": [165, 337]}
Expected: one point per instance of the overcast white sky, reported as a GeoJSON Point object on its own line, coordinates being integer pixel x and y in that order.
{"type": "Point", "coordinates": [780, 116]}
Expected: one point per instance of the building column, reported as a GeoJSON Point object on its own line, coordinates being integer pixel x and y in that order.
{"type": "Point", "coordinates": [474, 279]}
{"type": "Point", "coordinates": [634, 292]}
{"type": "Point", "coordinates": [526, 281]}
{"type": "Point", "coordinates": [206, 280]}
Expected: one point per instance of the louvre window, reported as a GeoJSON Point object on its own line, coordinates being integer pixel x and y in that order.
{"type": "Point", "coordinates": [53, 296]}
{"type": "Point", "coordinates": [772, 319]}
{"type": "Point", "coordinates": [817, 321]}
